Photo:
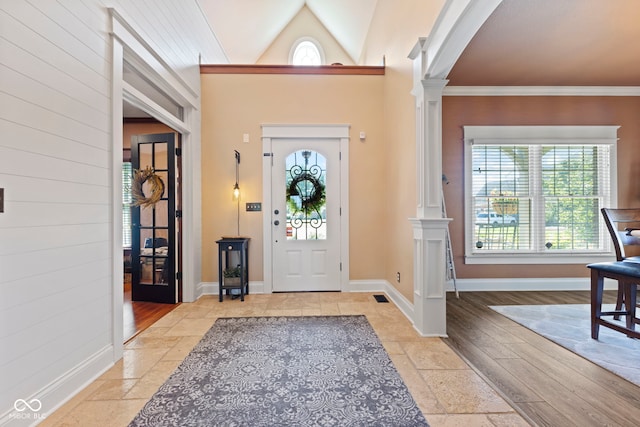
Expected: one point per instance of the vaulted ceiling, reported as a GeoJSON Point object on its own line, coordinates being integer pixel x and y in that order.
{"type": "Point", "coordinates": [246, 28]}
{"type": "Point", "coordinates": [524, 42]}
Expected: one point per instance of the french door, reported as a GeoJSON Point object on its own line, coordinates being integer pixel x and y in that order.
{"type": "Point", "coordinates": [154, 220]}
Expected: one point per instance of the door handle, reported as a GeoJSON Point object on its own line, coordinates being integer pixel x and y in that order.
{"type": "Point", "coordinates": [276, 222]}
{"type": "Point", "coordinates": [276, 212]}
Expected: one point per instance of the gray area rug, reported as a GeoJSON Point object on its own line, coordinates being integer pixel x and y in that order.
{"type": "Point", "coordinates": [285, 371]}
{"type": "Point", "coordinates": [570, 326]}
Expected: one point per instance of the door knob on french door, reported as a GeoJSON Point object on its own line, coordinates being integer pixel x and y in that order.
{"type": "Point", "coordinates": [276, 222]}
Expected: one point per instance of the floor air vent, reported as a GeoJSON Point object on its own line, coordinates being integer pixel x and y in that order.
{"type": "Point", "coordinates": [381, 298]}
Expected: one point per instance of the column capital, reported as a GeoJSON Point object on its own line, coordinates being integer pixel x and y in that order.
{"type": "Point", "coordinates": [434, 83]}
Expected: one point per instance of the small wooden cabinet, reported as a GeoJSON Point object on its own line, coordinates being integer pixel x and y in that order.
{"type": "Point", "coordinates": [233, 265]}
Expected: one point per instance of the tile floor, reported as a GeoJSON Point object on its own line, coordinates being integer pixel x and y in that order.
{"type": "Point", "coordinates": [447, 391]}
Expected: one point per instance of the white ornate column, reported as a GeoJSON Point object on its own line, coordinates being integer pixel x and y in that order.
{"type": "Point", "coordinates": [429, 227]}
{"type": "Point", "coordinates": [433, 59]}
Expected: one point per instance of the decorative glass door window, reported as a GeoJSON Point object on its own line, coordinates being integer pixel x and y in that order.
{"type": "Point", "coordinates": [306, 195]}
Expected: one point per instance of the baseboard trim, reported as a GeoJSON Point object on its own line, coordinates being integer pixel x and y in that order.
{"type": "Point", "coordinates": [463, 285]}
{"type": "Point", "coordinates": [211, 288]}
{"type": "Point", "coordinates": [60, 391]}
{"type": "Point", "coordinates": [405, 306]}
{"type": "Point", "coordinates": [527, 284]}
{"type": "Point", "coordinates": [205, 288]}
{"type": "Point", "coordinates": [366, 286]}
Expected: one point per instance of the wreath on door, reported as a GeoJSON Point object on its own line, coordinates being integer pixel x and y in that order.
{"type": "Point", "coordinates": [140, 177]}
{"type": "Point", "coordinates": [311, 201]}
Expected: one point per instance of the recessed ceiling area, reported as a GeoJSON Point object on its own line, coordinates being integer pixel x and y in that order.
{"type": "Point", "coordinates": [554, 43]}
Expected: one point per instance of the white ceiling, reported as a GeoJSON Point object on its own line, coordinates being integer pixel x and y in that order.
{"type": "Point", "coordinates": [524, 42]}
{"type": "Point", "coordinates": [246, 28]}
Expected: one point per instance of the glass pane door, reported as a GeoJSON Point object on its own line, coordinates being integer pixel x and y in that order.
{"type": "Point", "coordinates": [153, 275]}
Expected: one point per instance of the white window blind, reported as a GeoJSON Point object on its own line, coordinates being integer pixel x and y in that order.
{"type": "Point", "coordinates": [127, 176]}
{"type": "Point", "coordinates": [535, 192]}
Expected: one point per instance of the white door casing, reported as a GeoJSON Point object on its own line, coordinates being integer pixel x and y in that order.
{"type": "Point", "coordinates": [129, 46]}
{"type": "Point", "coordinates": [306, 247]}
{"type": "Point", "coordinates": [293, 262]}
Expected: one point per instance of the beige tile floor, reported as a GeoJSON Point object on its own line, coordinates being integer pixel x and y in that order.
{"type": "Point", "coordinates": [447, 391]}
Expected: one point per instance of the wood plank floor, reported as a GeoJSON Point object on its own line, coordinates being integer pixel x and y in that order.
{"type": "Point", "coordinates": [547, 384]}
{"type": "Point", "coordinates": [138, 316]}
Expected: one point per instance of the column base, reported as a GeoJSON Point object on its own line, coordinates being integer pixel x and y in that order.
{"type": "Point", "coordinates": [429, 265]}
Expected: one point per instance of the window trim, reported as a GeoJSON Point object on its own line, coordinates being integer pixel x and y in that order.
{"type": "Point", "coordinates": [311, 40]}
{"type": "Point", "coordinates": [531, 135]}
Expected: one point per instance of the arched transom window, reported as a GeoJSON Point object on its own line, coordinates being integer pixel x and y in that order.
{"type": "Point", "coordinates": [306, 51]}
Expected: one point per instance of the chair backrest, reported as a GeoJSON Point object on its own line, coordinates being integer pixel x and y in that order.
{"type": "Point", "coordinates": [618, 221]}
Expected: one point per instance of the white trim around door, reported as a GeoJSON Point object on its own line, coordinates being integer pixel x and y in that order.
{"type": "Point", "coordinates": [130, 47]}
{"type": "Point", "coordinates": [271, 133]}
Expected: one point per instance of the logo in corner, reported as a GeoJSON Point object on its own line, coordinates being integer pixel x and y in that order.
{"type": "Point", "coordinates": [21, 405]}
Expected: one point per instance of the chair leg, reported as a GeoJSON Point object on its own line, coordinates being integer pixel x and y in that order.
{"type": "Point", "coordinates": [633, 305]}
{"type": "Point", "coordinates": [597, 285]}
{"type": "Point", "coordinates": [630, 292]}
{"type": "Point", "coordinates": [619, 300]}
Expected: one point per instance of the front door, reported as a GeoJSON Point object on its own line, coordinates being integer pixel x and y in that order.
{"type": "Point", "coordinates": [305, 215]}
{"type": "Point", "coordinates": [153, 217]}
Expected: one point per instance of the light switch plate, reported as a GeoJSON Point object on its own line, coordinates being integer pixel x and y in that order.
{"type": "Point", "coordinates": [254, 207]}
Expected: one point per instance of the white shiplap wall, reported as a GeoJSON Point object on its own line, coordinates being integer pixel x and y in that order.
{"type": "Point", "coordinates": [56, 279]}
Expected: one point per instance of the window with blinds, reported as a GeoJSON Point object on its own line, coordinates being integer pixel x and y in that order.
{"type": "Point", "coordinates": [535, 192]}
{"type": "Point", "coordinates": [127, 177]}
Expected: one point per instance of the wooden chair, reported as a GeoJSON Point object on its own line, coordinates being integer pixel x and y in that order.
{"type": "Point", "coordinates": [622, 224]}
{"type": "Point", "coordinates": [628, 275]}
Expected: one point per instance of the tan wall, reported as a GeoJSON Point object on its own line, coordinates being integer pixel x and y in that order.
{"type": "Point", "coordinates": [383, 182]}
{"type": "Point", "coordinates": [233, 105]}
{"type": "Point", "coordinates": [462, 111]}
{"type": "Point", "coordinates": [394, 41]}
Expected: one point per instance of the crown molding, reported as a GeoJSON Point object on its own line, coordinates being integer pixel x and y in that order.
{"type": "Point", "coordinates": [541, 91]}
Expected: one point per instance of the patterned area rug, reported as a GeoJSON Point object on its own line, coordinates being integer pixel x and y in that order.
{"type": "Point", "coordinates": [285, 371]}
{"type": "Point", "coordinates": [570, 326]}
